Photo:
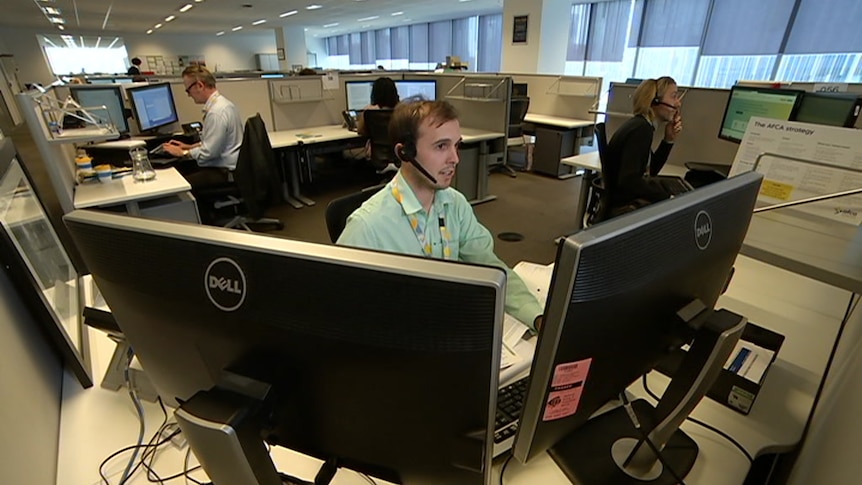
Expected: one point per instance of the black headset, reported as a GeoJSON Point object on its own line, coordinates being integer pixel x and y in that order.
{"type": "Point", "coordinates": [657, 99]}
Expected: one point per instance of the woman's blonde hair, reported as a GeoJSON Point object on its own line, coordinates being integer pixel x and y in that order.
{"type": "Point", "coordinates": [648, 94]}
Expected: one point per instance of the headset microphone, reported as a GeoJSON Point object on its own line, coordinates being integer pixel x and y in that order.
{"type": "Point", "coordinates": [665, 104]}
{"type": "Point", "coordinates": [407, 154]}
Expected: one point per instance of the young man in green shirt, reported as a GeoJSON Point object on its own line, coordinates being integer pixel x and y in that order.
{"type": "Point", "coordinates": [419, 213]}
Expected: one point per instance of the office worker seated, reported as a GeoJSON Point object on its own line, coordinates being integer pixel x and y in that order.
{"type": "Point", "coordinates": [655, 102]}
{"type": "Point", "coordinates": [216, 154]}
{"type": "Point", "coordinates": [384, 95]}
{"type": "Point", "coordinates": [418, 212]}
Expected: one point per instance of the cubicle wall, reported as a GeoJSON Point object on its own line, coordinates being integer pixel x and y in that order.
{"type": "Point", "coordinates": [702, 111]}
{"type": "Point", "coordinates": [563, 96]}
{"type": "Point", "coordinates": [250, 96]}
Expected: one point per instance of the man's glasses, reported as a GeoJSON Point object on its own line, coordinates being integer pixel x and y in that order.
{"type": "Point", "coordinates": [190, 86]}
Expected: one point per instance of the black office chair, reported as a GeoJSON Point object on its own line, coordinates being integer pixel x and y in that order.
{"type": "Point", "coordinates": [376, 127]}
{"type": "Point", "coordinates": [517, 112]}
{"type": "Point", "coordinates": [255, 186]}
{"type": "Point", "coordinates": [603, 205]}
{"type": "Point", "coordinates": [340, 209]}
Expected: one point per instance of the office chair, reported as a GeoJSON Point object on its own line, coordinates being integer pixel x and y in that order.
{"type": "Point", "coordinates": [255, 182]}
{"type": "Point", "coordinates": [340, 209]}
{"type": "Point", "coordinates": [376, 125]}
{"type": "Point", "coordinates": [602, 204]}
{"type": "Point", "coordinates": [517, 112]}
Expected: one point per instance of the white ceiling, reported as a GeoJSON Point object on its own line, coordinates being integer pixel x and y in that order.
{"type": "Point", "coordinates": [212, 16]}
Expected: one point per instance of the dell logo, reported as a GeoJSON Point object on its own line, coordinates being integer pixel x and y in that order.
{"type": "Point", "coordinates": [702, 230]}
{"type": "Point", "coordinates": [224, 282]}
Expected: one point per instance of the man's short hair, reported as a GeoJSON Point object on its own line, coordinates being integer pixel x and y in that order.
{"type": "Point", "coordinates": [200, 73]}
{"type": "Point", "coordinates": [137, 61]}
{"type": "Point", "coordinates": [409, 116]}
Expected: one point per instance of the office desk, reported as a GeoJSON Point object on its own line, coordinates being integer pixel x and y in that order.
{"type": "Point", "coordinates": [296, 149]}
{"type": "Point", "coordinates": [166, 196]}
{"type": "Point", "coordinates": [471, 178]}
{"type": "Point", "coordinates": [592, 166]}
{"type": "Point", "coordinates": [556, 138]}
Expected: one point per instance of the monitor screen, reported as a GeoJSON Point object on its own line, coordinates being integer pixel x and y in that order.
{"type": "Point", "coordinates": [109, 96]}
{"type": "Point", "coordinates": [745, 102]}
{"type": "Point", "coordinates": [124, 80]}
{"type": "Point", "coordinates": [363, 361]}
{"type": "Point", "coordinates": [153, 105]}
{"type": "Point", "coordinates": [831, 109]}
{"type": "Point", "coordinates": [100, 81]}
{"type": "Point", "coordinates": [612, 308]}
{"type": "Point", "coordinates": [426, 89]}
{"type": "Point", "coordinates": [358, 94]}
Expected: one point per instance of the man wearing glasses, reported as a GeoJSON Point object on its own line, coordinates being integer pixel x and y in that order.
{"type": "Point", "coordinates": [216, 154]}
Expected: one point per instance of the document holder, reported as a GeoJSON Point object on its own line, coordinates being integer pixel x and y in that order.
{"type": "Point", "coordinates": [729, 388]}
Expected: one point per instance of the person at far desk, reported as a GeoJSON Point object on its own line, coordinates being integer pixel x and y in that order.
{"type": "Point", "coordinates": [655, 101]}
{"type": "Point", "coordinates": [418, 212]}
{"type": "Point", "coordinates": [217, 152]}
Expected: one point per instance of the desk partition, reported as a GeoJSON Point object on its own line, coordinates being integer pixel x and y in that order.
{"type": "Point", "coordinates": [559, 116]}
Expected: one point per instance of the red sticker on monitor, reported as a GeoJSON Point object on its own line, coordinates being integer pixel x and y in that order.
{"type": "Point", "coordinates": [571, 373]}
{"type": "Point", "coordinates": [567, 385]}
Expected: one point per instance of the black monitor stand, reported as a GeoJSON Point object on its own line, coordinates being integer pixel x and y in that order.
{"type": "Point", "coordinates": [610, 449]}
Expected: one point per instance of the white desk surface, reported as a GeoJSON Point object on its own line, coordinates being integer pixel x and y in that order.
{"type": "Point", "coordinates": [127, 143]}
{"type": "Point", "coordinates": [312, 134]}
{"type": "Point", "coordinates": [473, 135]}
{"type": "Point", "coordinates": [588, 160]}
{"type": "Point", "coordinates": [557, 121]}
{"type": "Point", "coordinates": [118, 191]}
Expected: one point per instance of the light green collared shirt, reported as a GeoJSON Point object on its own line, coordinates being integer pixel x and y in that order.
{"type": "Point", "coordinates": [382, 223]}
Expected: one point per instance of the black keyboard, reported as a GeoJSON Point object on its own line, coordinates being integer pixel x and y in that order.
{"type": "Point", "coordinates": [510, 402]}
{"type": "Point", "coordinates": [675, 185]}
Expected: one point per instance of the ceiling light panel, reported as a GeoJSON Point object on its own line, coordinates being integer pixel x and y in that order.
{"type": "Point", "coordinates": [185, 8]}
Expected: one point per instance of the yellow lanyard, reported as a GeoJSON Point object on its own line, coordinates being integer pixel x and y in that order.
{"type": "Point", "coordinates": [420, 231]}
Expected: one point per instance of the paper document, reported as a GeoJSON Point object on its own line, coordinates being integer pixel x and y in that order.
{"type": "Point", "coordinates": [513, 330]}
{"type": "Point", "coordinates": [516, 368]}
{"type": "Point", "coordinates": [749, 361]}
{"type": "Point", "coordinates": [537, 277]}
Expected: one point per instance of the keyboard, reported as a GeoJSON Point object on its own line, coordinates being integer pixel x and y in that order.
{"type": "Point", "coordinates": [674, 185]}
{"type": "Point", "coordinates": [510, 402]}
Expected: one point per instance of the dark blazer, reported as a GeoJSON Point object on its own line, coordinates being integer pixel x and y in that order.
{"type": "Point", "coordinates": [256, 170]}
{"type": "Point", "coordinates": [629, 156]}
{"type": "Point", "coordinates": [133, 71]}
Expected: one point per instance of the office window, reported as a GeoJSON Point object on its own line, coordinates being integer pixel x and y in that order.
{"type": "Point", "coordinates": [825, 43]}
{"type": "Point", "coordinates": [742, 41]}
{"type": "Point", "coordinates": [465, 40]}
{"type": "Point", "coordinates": [576, 54]}
{"type": "Point", "coordinates": [439, 41]}
{"type": "Point", "coordinates": [608, 53]}
{"type": "Point", "coordinates": [69, 55]}
{"type": "Point", "coordinates": [400, 37]}
{"type": "Point", "coordinates": [367, 44]}
{"type": "Point", "coordinates": [670, 37]}
{"type": "Point", "coordinates": [383, 48]}
{"type": "Point", "coordinates": [490, 53]}
{"type": "Point", "coordinates": [419, 46]}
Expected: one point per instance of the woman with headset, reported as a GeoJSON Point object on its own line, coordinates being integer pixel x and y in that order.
{"type": "Point", "coordinates": [630, 163]}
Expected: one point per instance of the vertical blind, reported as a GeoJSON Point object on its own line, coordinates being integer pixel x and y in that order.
{"type": "Point", "coordinates": [608, 25]}
{"type": "Point", "coordinates": [826, 26]}
{"type": "Point", "coordinates": [674, 23]}
{"type": "Point", "coordinates": [577, 50]}
{"type": "Point", "coordinates": [746, 28]}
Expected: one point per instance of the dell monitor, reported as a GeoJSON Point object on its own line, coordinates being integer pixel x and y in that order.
{"type": "Point", "coordinates": [111, 97]}
{"type": "Point", "coordinates": [153, 106]}
{"type": "Point", "coordinates": [833, 109]}
{"type": "Point", "coordinates": [417, 88]}
{"type": "Point", "coordinates": [358, 94]}
{"type": "Point", "coordinates": [623, 294]}
{"type": "Point", "coordinates": [384, 363]}
{"type": "Point", "coordinates": [745, 102]}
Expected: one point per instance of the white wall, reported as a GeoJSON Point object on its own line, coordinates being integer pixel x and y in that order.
{"type": "Point", "coordinates": [548, 29]}
{"type": "Point", "coordinates": [31, 378]}
{"type": "Point", "coordinates": [29, 57]}
{"type": "Point", "coordinates": [316, 46]}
